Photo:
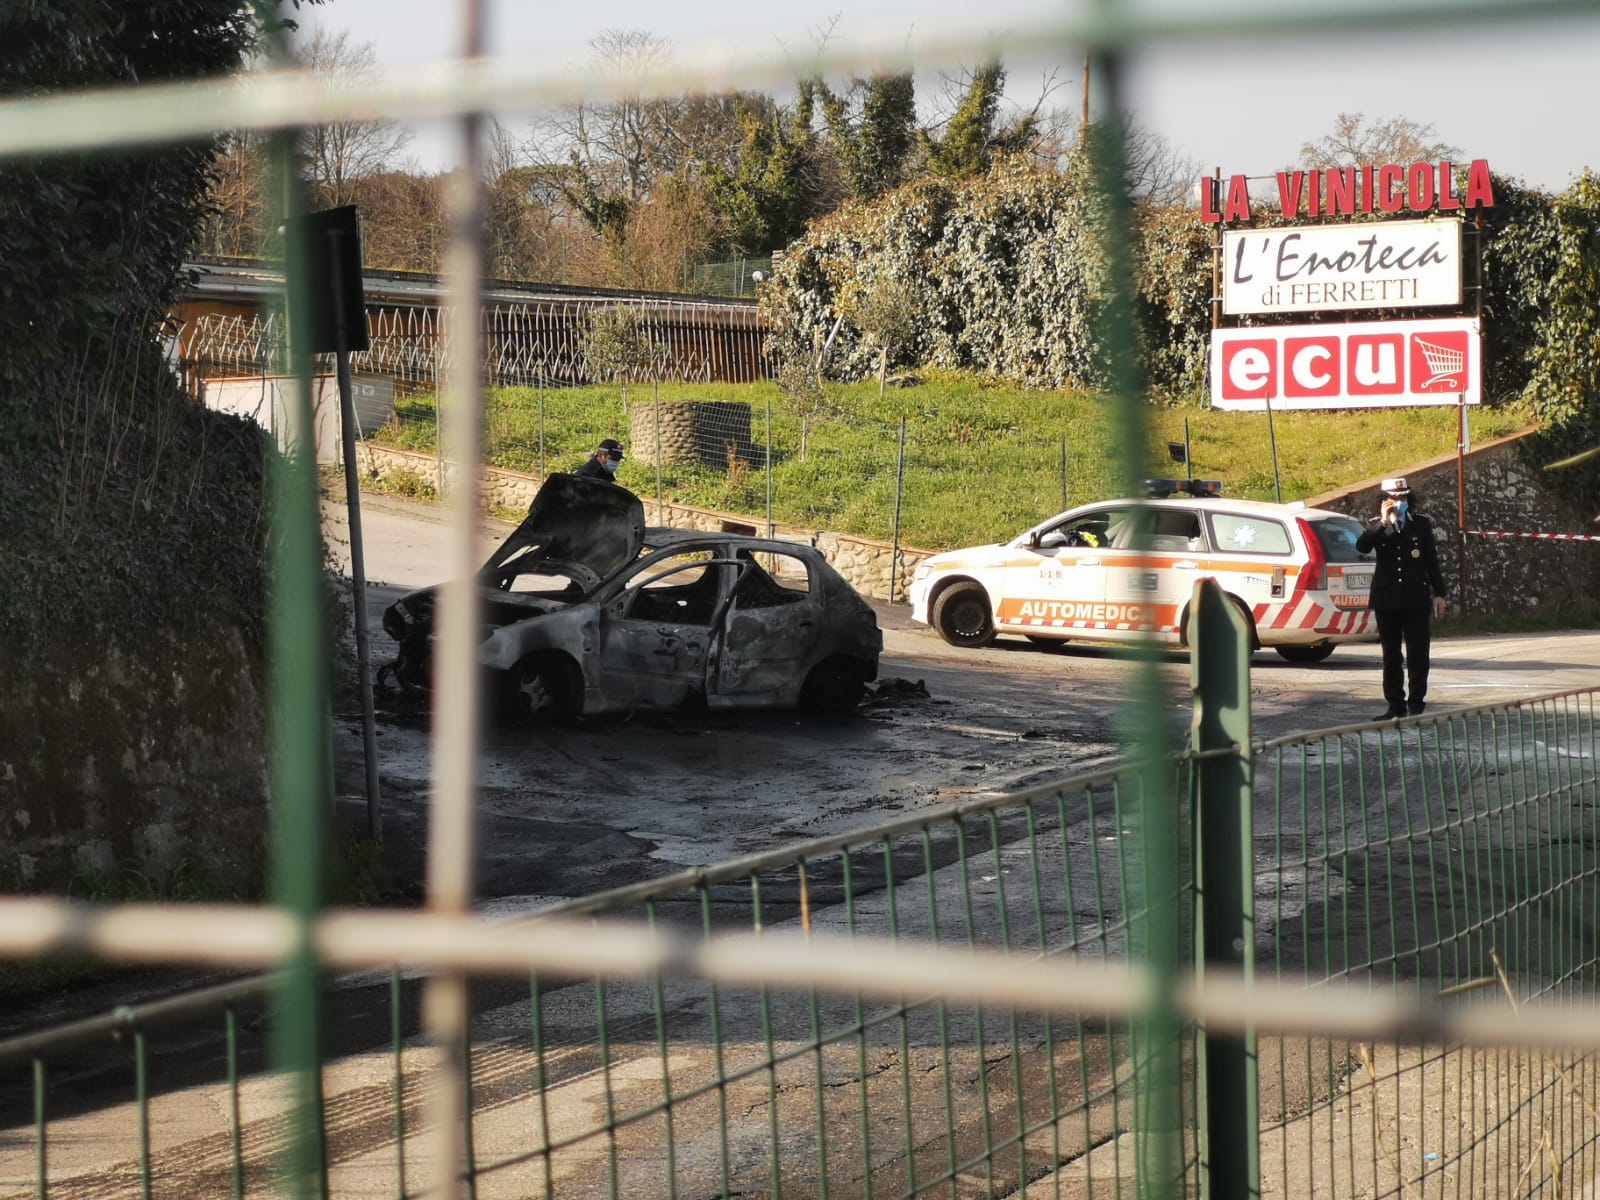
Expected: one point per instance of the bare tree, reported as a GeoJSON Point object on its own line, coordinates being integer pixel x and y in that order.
{"type": "Point", "coordinates": [1157, 172]}
{"type": "Point", "coordinates": [341, 154]}
{"type": "Point", "coordinates": [1356, 141]}
{"type": "Point", "coordinates": [237, 205]}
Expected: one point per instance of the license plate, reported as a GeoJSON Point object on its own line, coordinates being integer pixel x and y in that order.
{"type": "Point", "coordinates": [1358, 583]}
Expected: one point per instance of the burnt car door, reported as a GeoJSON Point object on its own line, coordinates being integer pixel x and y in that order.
{"type": "Point", "coordinates": [656, 632]}
{"type": "Point", "coordinates": [773, 621]}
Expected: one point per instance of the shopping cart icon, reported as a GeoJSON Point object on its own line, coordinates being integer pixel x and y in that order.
{"type": "Point", "coordinates": [1446, 364]}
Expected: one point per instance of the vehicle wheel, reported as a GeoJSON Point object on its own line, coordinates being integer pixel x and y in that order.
{"type": "Point", "coordinates": [835, 686]}
{"type": "Point", "coordinates": [1305, 654]}
{"type": "Point", "coordinates": [542, 687]}
{"type": "Point", "coordinates": [962, 616]}
{"type": "Point", "coordinates": [1049, 644]}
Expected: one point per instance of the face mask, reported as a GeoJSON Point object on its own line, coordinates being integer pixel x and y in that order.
{"type": "Point", "coordinates": [1400, 506]}
{"type": "Point", "coordinates": [610, 465]}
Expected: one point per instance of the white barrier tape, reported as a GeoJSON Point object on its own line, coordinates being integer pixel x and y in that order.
{"type": "Point", "coordinates": [1551, 537]}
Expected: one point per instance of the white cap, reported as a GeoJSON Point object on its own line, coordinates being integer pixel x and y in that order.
{"type": "Point", "coordinates": [1396, 484]}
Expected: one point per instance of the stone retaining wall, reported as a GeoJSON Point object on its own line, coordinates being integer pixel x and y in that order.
{"type": "Point", "coordinates": [865, 562]}
{"type": "Point", "coordinates": [1504, 492]}
{"type": "Point", "coordinates": [132, 754]}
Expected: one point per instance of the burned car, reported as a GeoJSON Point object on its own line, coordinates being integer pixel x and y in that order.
{"type": "Point", "coordinates": [587, 611]}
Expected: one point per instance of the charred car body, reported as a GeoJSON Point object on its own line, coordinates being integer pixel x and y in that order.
{"type": "Point", "coordinates": [586, 611]}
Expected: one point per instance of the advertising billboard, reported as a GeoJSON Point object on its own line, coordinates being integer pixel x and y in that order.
{"type": "Point", "coordinates": [1370, 364]}
{"type": "Point", "coordinates": [1331, 268]}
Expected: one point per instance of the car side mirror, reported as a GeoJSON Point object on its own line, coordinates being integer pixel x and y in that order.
{"type": "Point", "coordinates": [1033, 540]}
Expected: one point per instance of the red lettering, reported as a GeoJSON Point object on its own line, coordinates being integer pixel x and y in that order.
{"type": "Point", "coordinates": [1389, 180]}
{"type": "Point", "coordinates": [1419, 187]}
{"type": "Point", "coordinates": [1289, 187]}
{"type": "Point", "coordinates": [1208, 201]}
{"type": "Point", "coordinates": [1480, 187]}
{"type": "Point", "coordinates": [1366, 189]}
{"type": "Point", "coordinates": [1238, 208]}
{"type": "Point", "coordinates": [1341, 192]}
{"type": "Point", "coordinates": [1447, 188]}
{"type": "Point", "coordinates": [1315, 197]}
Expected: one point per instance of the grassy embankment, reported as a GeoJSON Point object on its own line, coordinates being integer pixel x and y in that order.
{"type": "Point", "coordinates": [983, 460]}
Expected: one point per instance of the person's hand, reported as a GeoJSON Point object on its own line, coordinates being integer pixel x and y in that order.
{"type": "Point", "coordinates": [1439, 605]}
{"type": "Point", "coordinates": [1386, 513]}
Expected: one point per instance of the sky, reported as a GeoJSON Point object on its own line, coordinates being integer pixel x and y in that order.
{"type": "Point", "coordinates": [1526, 97]}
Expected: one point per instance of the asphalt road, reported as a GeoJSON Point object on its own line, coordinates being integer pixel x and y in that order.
{"type": "Point", "coordinates": [568, 811]}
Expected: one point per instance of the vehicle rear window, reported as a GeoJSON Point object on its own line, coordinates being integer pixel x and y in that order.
{"type": "Point", "coordinates": [1338, 537]}
{"type": "Point", "coordinates": [1236, 533]}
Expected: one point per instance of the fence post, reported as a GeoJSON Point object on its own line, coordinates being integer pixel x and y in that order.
{"type": "Point", "coordinates": [1230, 1153]}
{"type": "Point", "coordinates": [544, 471]}
{"type": "Point", "coordinates": [899, 495]}
{"type": "Point", "coordinates": [661, 503]}
{"type": "Point", "coordinates": [769, 467]}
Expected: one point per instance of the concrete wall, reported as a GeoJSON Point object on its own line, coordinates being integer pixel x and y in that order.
{"type": "Point", "coordinates": [1504, 492]}
{"type": "Point", "coordinates": [127, 754]}
{"type": "Point", "coordinates": [865, 562]}
{"type": "Point", "coordinates": [706, 432]}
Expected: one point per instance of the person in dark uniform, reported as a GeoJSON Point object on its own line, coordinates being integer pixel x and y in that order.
{"type": "Point", "coordinates": [1407, 592]}
{"type": "Point", "coordinates": [603, 463]}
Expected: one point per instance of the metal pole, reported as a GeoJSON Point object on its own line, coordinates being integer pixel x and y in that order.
{"type": "Point", "coordinates": [1064, 504]}
{"type": "Point", "coordinates": [1219, 668]}
{"type": "Point", "coordinates": [769, 466]}
{"type": "Point", "coordinates": [899, 494]}
{"type": "Point", "coordinates": [1272, 436]}
{"type": "Point", "coordinates": [544, 470]}
{"type": "Point", "coordinates": [456, 699]}
{"type": "Point", "coordinates": [660, 498]}
{"type": "Point", "coordinates": [1462, 446]}
{"type": "Point", "coordinates": [358, 568]}
{"type": "Point", "coordinates": [1188, 459]}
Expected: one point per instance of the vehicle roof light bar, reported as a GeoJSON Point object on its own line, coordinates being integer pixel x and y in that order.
{"type": "Point", "coordinates": [1183, 487]}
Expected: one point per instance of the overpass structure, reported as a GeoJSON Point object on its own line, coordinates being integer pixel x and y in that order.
{"type": "Point", "coordinates": [230, 324]}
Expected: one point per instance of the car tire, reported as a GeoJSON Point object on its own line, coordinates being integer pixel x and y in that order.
{"type": "Point", "coordinates": [540, 688]}
{"type": "Point", "coordinates": [834, 687]}
{"type": "Point", "coordinates": [1049, 645]}
{"type": "Point", "coordinates": [1305, 655]}
{"type": "Point", "coordinates": [962, 615]}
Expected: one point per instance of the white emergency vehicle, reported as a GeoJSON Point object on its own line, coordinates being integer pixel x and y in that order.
{"type": "Point", "coordinates": [1123, 570]}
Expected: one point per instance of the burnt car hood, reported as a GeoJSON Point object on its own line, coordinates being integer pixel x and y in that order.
{"type": "Point", "coordinates": [578, 528]}
{"type": "Point", "coordinates": [572, 522]}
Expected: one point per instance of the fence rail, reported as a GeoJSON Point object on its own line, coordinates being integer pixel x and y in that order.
{"type": "Point", "coordinates": [1430, 875]}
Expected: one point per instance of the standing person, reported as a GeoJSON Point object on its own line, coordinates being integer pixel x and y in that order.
{"type": "Point", "coordinates": [603, 463]}
{"type": "Point", "coordinates": [1407, 592]}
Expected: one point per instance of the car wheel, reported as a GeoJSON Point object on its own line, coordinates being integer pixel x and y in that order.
{"type": "Point", "coordinates": [835, 686]}
{"type": "Point", "coordinates": [1301, 655]}
{"type": "Point", "coordinates": [542, 687]}
{"type": "Point", "coordinates": [1048, 644]}
{"type": "Point", "coordinates": [962, 616]}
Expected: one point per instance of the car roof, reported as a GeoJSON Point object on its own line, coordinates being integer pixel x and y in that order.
{"type": "Point", "coordinates": [1262, 508]}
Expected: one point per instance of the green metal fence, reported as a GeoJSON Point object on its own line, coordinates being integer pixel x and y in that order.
{"type": "Point", "coordinates": [1452, 858]}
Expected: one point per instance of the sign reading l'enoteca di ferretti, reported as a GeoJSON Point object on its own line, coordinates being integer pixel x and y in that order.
{"type": "Point", "coordinates": [1421, 187]}
{"type": "Point", "coordinates": [1374, 264]}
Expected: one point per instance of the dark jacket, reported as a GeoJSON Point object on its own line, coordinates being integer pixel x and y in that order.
{"type": "Point", "coordinates": [593, 470]}
{"type": "Point", "coordinates": [1407, 572]}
